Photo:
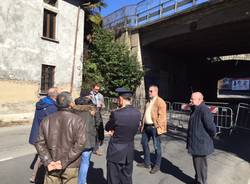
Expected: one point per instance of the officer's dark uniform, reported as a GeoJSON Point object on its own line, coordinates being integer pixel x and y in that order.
{"type": "Point", "coordinates": [120, 153]}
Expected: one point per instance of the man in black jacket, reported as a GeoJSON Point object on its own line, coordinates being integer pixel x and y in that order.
{"type": "Point", "coordinates": [123, 125]}
{"type": "Point", "coordinates": [201, 131]}
{"type": "Point", "coordinates": [91, 116]}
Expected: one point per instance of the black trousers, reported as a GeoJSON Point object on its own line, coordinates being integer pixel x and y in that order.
{"type": "Point", "coordinates": [200, 167]}
{"type": "Point", "coordinates": [119, 173]}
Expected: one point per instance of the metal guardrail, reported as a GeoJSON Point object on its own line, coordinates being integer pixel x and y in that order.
{"type": "Point", "coordinates": [147, 11]}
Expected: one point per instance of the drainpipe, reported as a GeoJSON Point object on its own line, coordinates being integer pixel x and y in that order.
{"type": "Point", "coordinates": [74, 55]}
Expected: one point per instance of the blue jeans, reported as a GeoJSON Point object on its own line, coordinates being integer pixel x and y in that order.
{"type": "Point", "coordinates": [148, 132]}
{"type": "Point", "coordinates": [84, 166]}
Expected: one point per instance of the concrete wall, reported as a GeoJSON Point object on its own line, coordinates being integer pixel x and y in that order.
{"type": "Point", "coordinates": [23, 51]}
{"type": "Point", "coordinates": [132, 40]}
{"type": "Point", "coordinates": [135, 46]}
{"type": "Point", "coordinates": [167, 71]}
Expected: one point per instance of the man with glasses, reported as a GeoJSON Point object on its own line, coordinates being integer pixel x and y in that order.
{"type": "Point", "coordinates": [154, 124]}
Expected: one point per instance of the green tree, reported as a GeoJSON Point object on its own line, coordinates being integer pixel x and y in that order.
{"type": "Point", "coordinates": [92, 17]}
{"type": "Point", "coordinates": [111, 64]}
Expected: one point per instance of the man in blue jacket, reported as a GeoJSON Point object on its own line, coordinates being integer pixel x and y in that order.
{"type": "Point", "coordinates": [201, 130]}
{"type": "Point", "coordinates": [44, 107]}
{"type": "Point", "coordinates": [122, 125]}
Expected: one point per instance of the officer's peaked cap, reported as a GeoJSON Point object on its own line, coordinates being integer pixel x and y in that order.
{"type": "Point", "coordinates": [124, 92]}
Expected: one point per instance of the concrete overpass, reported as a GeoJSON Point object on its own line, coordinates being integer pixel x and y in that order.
{"type": "Point", "coordinates": [178, 47]}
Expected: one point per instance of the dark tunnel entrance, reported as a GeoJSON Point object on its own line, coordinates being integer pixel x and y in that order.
{"type": "Point", "coordinates": [192, 61]}
{"type": "Point", "coordinates": [179, 76]}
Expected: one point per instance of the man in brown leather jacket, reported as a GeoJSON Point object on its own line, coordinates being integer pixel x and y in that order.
{"type": "Point", "coordinates": [60, 142]}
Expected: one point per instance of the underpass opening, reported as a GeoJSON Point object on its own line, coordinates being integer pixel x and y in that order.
{"type": "Point", "coordinates": [179, 75]}
{"type": "Point", "coordinates": [193, 61]}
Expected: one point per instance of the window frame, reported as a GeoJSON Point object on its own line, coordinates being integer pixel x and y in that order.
{"type": "Point", "coordinates": [52, 10]}
{"type": "Point", "coordinates": [48, 75]}
{"type": "Point", "coordinates": [49, 20]}
{"type": "Point", "coordinates": [55, 4]}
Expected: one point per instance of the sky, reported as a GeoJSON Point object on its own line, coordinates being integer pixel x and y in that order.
{"type": "Point", "coordinates": [113, 5]}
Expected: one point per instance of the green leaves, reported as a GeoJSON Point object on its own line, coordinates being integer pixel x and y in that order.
{"type": "Point", "coordinates": [92, 17]}
{"type": "Point", "coordinates": [111, 64]}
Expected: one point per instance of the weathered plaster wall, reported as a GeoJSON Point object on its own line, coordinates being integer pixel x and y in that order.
{"type": "Point", "coordinates": [23, 51]}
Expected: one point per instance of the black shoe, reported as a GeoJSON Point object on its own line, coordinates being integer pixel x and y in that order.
{"type": "Point", "coordinates": [143, 165]}
{"type": "Point", "coordinates": [154, 170]}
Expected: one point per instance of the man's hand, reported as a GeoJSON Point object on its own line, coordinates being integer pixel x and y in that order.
{"type": "Point", "coordinates": [51, 166]}
{"type": "Point", "coordinates": [54, 165]}
{"type": "Point", "coordinates": [58, 165]}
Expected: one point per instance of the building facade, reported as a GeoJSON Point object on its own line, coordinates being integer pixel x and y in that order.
{"type": "Point", "coordinates": [37, 39]}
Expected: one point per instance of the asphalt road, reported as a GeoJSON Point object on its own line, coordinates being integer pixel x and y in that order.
{"type": "Point", "coordinates": [14, 142]}
{"type": "Point", "coordinates": [229, 164]}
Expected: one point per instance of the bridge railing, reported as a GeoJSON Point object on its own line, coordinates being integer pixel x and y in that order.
{"type": "Point", "coordinates": [147, 11]}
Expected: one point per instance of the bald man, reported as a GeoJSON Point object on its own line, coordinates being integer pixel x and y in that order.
{"type": "Point", "coordinates": [44, 107]}
{"type": "Point", "coordinates": [201, 130]}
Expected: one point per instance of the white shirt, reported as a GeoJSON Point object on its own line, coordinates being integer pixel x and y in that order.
{"type": "Point", "coordinates": [97, 99]}
{"type": "Point", "coordinates": [148, 118]}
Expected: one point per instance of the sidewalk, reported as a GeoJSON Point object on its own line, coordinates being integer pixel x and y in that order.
{"type": "Point", "coordinates": [15, 119]}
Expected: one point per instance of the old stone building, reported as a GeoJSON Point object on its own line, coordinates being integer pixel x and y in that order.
{"type": "Point", "coordinates": [37, 39]}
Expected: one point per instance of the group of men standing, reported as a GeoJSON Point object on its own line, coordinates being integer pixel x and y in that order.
{"type": "Point", "coordinates": [56, 130]}
{"type": "Point", "coordinates": [63, 137]}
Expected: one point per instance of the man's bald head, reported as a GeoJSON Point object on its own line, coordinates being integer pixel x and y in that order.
{"type": "Point", "coordinates": [196, 98]}
{"type": "Point", "coordinates": [52, 93]}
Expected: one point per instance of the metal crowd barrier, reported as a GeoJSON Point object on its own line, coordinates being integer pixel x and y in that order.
{"type": "Point", "coordinates": [111, 104]}
{"type": "Point", "coordinates": [139, 103]}
{"type": "Point", "coordinates": [242, 119]}
{"type": "Point", "coordinates": [179, 113]}
{"type": "Point", "coordinates": [223, 116]}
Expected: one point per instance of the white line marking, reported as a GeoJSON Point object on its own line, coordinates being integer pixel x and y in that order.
{"type": "Point", "coordinates": [4, 159]}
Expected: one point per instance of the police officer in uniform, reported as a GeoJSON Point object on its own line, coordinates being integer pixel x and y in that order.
{"type": "Point", "coordinates": [122, 126]}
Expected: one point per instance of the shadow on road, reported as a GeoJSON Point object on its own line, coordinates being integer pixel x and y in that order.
{"type": "Point", "coordinates": [95, 175]}
{"type": "Point", "coordinates": [167, 167]}
{"type": "Point", "coordinates": [238, 143]}
{"type": "Point", "coordinates": [176, 133]}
